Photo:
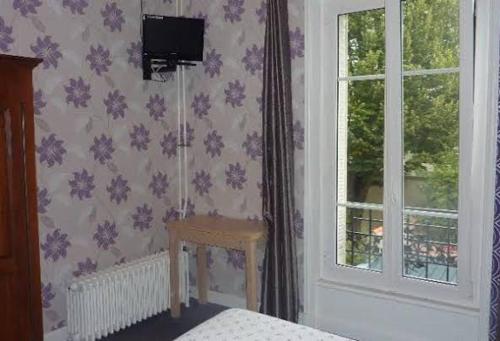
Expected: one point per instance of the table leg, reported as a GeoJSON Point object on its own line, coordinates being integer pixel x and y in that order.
{"type": "Point", "coordinates": [201, 261]}
{"type": "Point", "coordinates": [251, 275]}
{"type": "Point", "coordinates": [175, 305]}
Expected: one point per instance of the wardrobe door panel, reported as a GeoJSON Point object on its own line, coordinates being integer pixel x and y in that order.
{"type": "Point", "coordinates": [20, 296]}
{"type": "Point", "coordinates": [5, 237]}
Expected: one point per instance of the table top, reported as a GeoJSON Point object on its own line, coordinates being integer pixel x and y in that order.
{"type": "Point", "coordinates": [230, 227]}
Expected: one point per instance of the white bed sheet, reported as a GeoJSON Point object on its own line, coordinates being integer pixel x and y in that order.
{"type": "Point", "coordinates": [245, 325]}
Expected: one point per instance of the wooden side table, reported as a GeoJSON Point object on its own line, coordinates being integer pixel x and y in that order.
{"type": "Point", "coordinates": [223, 232]}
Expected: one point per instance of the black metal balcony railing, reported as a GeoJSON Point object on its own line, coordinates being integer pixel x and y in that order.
{"type": "Point", "coordinates": [430, 247]}
{"type": "Point", "coordinates": [429, 244]}
{"type": "Point", "coordinates": [364, 241]}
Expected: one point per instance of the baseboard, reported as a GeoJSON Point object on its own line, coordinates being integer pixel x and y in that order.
{"type": "Point", "coordinates": [60, 334]}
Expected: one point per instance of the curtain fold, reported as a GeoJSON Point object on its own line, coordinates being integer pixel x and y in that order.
{"type": "Point", "coordinates": [279, 295]}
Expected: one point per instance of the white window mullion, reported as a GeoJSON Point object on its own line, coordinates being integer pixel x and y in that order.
{"type": "Point", "coordinates": [361, 78]}
{"type": "Point", "coordinates": [393, 170]}
{"type": "Point", "coordinates": [342, 118]}
{"type": "Point", "coordinates": [427, 72]}
{"type": "Point", "coordinates": [467, 237]}
{"type": "Point", "coordinates": [423, 72]}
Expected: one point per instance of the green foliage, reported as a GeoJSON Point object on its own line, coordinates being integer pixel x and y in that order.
{"type": "Point", "coordinates": [442, 182]}
{"type": "Point", "coordinates": [431, 40]}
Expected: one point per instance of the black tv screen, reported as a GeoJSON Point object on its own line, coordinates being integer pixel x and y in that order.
{"type": "Point", "coordinates": [165, 36]}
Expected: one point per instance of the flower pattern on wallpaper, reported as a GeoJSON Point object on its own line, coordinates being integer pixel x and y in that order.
{"type": "Point", "coordinates": [102, 149]}
{"type": "Point", "coordinates": [113, 17]}
{"type": "Point", "coordinates": [202, 182]}
{"type": "Point", "coordinates": [39, 102]}
{"type": "Point", "coordinates": [253, 145]}
{"type": "Point", "coordinates": [47, 50]}
{"type": "Point", "coordinates": [201, 105]}
{"type": "Point", "coordinates": [55, 246]}
{"type": "Point", "coordinates": [495, 271]}
{"type": "Point", "coordinates": [135, 54]}
{"type": "Point", "coordinates": [212, 62]}
{"type": "Point", "coordinates": [159, 185]}
{"type": "Point", "coordinates": [82, 185]}
{"type": "Point", "coordinates": [236, 259]}
{"type": "Point", "coordinates": [139, 137]}
{"type": "Point", "coordinates": [99, 59]}
{"type": "Point", "coordinates": [118, 190]}
{"type": "Point", "coordinates": [76, 6]}
{"type": "Point", "coordinates": [51, 150]}
{"type": "Point", "coordinates": [261, 12]}
{"type": "Point", "coordinates": [233, 10]}
{"type": "Point", "coordinates": [5, 36]}
{"type": "Point", "coordinates": [143, 217]}
{"type": "Point", "coordinates": [213, 144]}
{"type": "Point", "coordinates": [106, 235]}
{"type": "Point", "coordinates": [297, 43]}
{"type": "Point", "coordinates": [47, 295]}
{"type": "Point", "coordinates": [26, 7]}
{"type": "Point", "coordinates": [254, 59]}
{"type": "Point", "coordinates": [43, 200]}
{"type": "Point", "coordinates": [156, 107]}
{"type": "Point", "coordinates": [169, 145]}
{"type": "Point", "coordinates": [107, 141]}
{"type": "Point", "coordinates": [235, 176]}
{"type": "Point", "coordinates": [115, 104]}
{"type": "Point", "coordinates": [226, 108]}
{"type": "Point", "coordinates": [99, 176]}
{"type": "Point", "coordinates": [85, 267]}
{"type": "Point", "coordinates": [77, 92]}
{"type": "Point", "coordinates": [171, 214]}
{"type": "Point", "coordinates": [235, 93]}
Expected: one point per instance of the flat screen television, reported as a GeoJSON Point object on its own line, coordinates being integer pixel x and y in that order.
{"type": "Point", "coordinates": [177, 37]}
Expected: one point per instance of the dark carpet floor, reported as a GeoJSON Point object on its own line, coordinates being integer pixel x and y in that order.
{"type": "Point", "coordinates": [163, 327]}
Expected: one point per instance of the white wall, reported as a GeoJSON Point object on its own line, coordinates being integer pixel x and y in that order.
{"type": "Point", "coordinates": [368, 317]}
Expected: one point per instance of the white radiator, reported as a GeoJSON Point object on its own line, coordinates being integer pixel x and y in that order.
{"type": "Point", "coordinates": [109, 300]}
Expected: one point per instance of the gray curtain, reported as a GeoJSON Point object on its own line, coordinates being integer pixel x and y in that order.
{"type": "Point", "coordinates": [279, 296]}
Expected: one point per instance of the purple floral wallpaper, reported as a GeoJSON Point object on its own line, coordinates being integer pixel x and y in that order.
{"type": "Point", "coordinates": [224, 111]}
{"type": "Point", "coordinates": [106, 140]}
{"type": "Point", "coordinates": [495, 271]}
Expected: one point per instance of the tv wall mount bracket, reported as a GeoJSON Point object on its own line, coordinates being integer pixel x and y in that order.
{"type": "Point", "coordinates": [161, 64]}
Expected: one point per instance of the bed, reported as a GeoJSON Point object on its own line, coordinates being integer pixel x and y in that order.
{"type": "Point", "coordinates": [245, 325]}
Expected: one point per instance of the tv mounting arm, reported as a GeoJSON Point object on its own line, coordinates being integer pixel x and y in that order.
{"type": "Point", "coordinates": [160, 64]}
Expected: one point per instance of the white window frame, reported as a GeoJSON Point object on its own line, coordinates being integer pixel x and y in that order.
{"type": "Point", "coordinates": [390, 280]}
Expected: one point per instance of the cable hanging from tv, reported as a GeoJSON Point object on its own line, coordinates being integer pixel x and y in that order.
{"type": "Point", "coordinates": [169, 42]}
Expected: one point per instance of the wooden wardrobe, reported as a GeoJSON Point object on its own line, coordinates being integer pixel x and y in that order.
{"type": "Point", "coordinates": [20, 294]}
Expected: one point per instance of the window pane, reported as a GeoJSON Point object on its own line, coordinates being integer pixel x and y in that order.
{"type": "Point", "coordinates": [360, 237]}
{"type": "Point", "coordinates": [431, 34]}
{"type": "Point", "coordinates": [430, 247]}
{"type": "Point", "coordinates": [360, 139]}
{"type": "Point", "coordinates": [431, 166]}
{"type": "Point", "coordinates": [431, 141]}
{"type": "Point", "coordinates": [360, 158]}
{"type": "Point", "coordinates": [362, 43]}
